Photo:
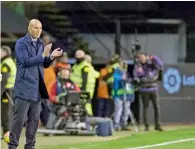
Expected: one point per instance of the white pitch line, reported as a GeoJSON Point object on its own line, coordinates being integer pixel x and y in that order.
{"type": "Point", "coordinates": [163, 144]}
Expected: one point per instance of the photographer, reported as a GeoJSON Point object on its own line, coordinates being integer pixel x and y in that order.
{"type": "Point", "coordinates": [148, 71]}
{"type": "Point", "coordinates": [62, 85]}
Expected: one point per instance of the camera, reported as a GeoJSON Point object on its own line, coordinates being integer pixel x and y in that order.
{"type": "Point", "coordinates": [136, 49]}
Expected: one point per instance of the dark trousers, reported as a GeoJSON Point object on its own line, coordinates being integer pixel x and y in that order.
{"type": "Point", "coordinates": [52, 115]}
{"type": "Point", "coordinates": [6, 113]}
{"type": "Point", "coordinates": [24, 110]}
{"type": "Point", "coordinates": [104, 107]}
{"type": "Point", "coordinates": [154, 97]}
{"type": "Point", "coordinates": [5, 116]}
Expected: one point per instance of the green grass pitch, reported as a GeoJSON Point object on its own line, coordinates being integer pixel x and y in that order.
{"type": "Point", "coordinates": [120, 140]}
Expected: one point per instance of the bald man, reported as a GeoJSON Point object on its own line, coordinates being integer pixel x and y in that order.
{"type": "Point", "coordinates": [29, 89]}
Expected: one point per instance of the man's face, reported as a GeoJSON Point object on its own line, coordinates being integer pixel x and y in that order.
{"type": "Point", "coordinates": [142, 58]}
{"type": "Point", "coordinates": [65, 73]}
{"type": "Point", "coordinates": [80, 54]}
{"type": "Point", "coordinates": [35, 29]}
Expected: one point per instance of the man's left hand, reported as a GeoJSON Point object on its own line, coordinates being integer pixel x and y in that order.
{"type": "Point", "coordinates": [56, 53]}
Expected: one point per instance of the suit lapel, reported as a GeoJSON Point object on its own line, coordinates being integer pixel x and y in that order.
{"type": "Point", "coordinates": [40, 48]}
{"type": "Point", "coordinates": [32, 50]}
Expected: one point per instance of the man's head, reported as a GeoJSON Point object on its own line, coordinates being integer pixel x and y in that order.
{"type": "Point", "coordinates": [5, 51]}
{"type": "Point", "coordinates": [35, 28]}
{"type": "Point", "coordinates": [142, 58]}
{"type": "Point", "coordinates": [63, 58]}
{"type": "Point", "coordinates": [46, 39]}
{"type": "Point", "coordinates": [80, 56]}
{"type": "Point", "coordinates": [63, 70]}
{"type": "Point", "coordinates": [88, 58]}
{"type": "Point", "coordinates": [65, 73]}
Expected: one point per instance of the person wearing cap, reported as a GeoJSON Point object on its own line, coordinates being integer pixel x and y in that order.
{"type": "Point", "coordinates": [8, 72]}
{"type": "Point", "coordinates": [60, 87]}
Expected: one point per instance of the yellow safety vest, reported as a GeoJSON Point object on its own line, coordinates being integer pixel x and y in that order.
{"type": "Point", "coordinates": [95, 73]}
{"type": "Point", "coordinates": [76, 77]}
{"type": "Point", "coordinates": [11, 64]}
{"type": "Point", "coordinates": [114, 66]}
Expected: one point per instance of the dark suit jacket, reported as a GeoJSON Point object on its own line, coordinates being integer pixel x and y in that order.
{"type": "Point", "coordinates": [29, 78]}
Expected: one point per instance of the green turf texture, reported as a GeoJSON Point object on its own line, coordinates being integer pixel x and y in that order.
{"type": "Point", "coordinates": [131, 140]}
{"type": "Point", "coordinates": [141, 140]}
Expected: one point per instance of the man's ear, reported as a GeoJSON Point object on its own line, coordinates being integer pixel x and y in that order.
{"type": "Point", "coordinates": [28, 28]}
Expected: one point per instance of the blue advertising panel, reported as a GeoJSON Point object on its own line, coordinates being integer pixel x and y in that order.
{"type": "Point", "coordinates": [178, 81]}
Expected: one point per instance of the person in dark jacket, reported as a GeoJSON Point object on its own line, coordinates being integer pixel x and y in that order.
{"type": "Point", "coordinates": [29, 87]}
{"type": "Point", "coordinates": [147, 71]}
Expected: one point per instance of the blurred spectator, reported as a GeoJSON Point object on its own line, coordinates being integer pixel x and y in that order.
{"type": "Point", "coordinates": [47, 39]}
{"type": "Point", "coordinates": [82, 75]}
{"type": "Point", "coordinates": [8, 72]}
{"type": "Point", "coordinates": [103, 94]}
{"type": "Point", "coordinates": [59, 89]}
{"type": "Point", "coordinates": [123, 95]}
{"type": "Point", "coordinates": [63, 59]}
{"type": "Point", "coordinates": [113, 64]}
{"type": "Point", "coordinates": [88, 58]}
{"type": "Point", "coordinates": [95, 75]}
{"type": "Point", "coordinates": [147, 71]}
{"type": "Point", "coordinates": [50, 75]}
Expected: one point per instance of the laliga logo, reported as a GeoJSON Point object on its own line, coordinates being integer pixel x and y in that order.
{"type": "Point", "coordinates": [172, 80]}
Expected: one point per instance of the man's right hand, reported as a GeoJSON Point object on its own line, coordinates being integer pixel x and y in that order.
{"type": "Point", "coordinates": [47, 49]}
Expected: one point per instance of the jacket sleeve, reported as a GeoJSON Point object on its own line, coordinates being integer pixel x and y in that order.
{"type": "Point", "coordinates": [84, 72]}
{"type": "Point", "coordinates": [157, 62]}
{"type": "Point", "coordinates": [52, 93]}
{"type": "Point", "coordinates": [24, 58]}
{"type": "Point", "coordinates": [47, 62]}
{"type": "Point", "coordinates": [108, 75]}
{"type": "Point", "coordinates": [151, 77]}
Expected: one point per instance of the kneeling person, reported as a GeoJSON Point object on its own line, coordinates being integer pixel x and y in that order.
{"type": "Point", "coordinates": [62, 85]}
